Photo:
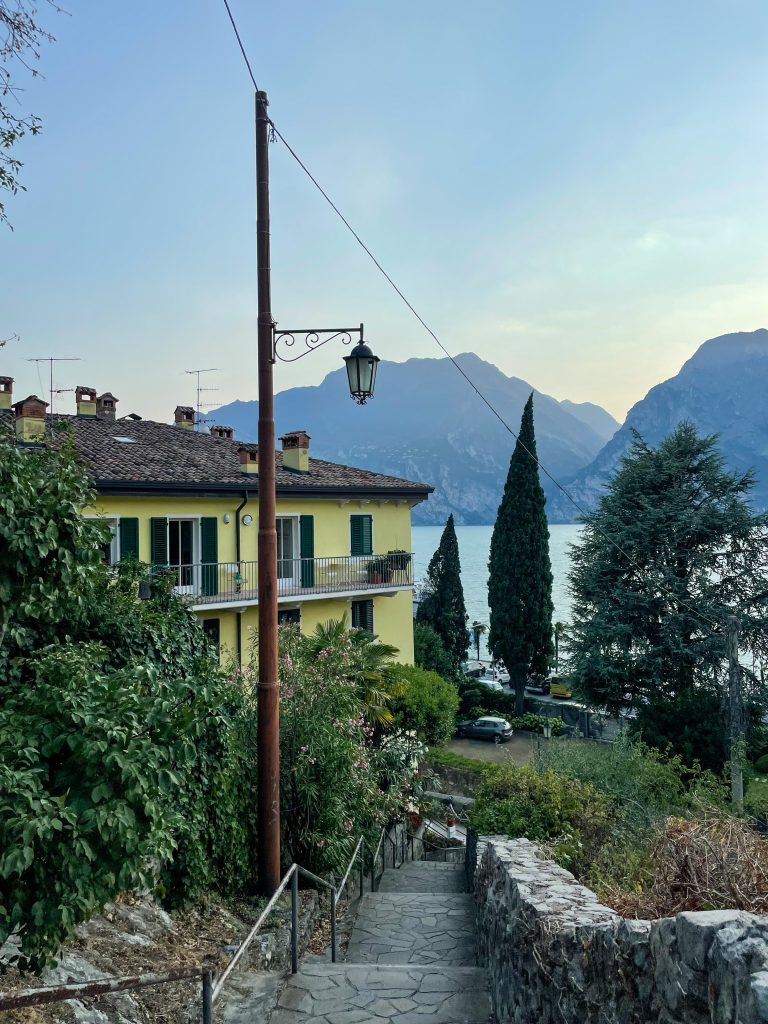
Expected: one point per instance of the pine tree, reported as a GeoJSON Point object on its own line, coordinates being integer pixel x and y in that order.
{"type": "Point", "coordinates": [520, 578]}
{"type": "Point", "coordinates": [442, 605]}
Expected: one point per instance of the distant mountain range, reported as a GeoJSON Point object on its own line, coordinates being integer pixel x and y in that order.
{"type": "Point", "coordinates": [425, 423]}
{"type": "Point", "coordinates": [722, 389]}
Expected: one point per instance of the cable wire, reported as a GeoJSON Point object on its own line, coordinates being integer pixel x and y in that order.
{"type": "Point", "coordinates": [543, 469]}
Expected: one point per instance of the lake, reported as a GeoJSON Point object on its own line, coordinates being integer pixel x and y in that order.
{"type": "Point", "coordinates": [474, 548]}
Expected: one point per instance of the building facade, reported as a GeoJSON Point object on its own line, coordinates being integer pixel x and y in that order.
{"type": "Point", "coordinates": [186, 502]}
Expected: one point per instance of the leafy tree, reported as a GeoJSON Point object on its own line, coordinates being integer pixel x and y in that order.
{"type": "Point", "coordinates": [442, 605]}
{"type": "Point", "coordinates": [20, 39]}
{"type": "Point", "coordinates": [520, 577]}
{"type": "Point", "coordinates": [426, 704]}
{"type": "Point", "coordinates": [429, 651]}
{"type": "Point", "coordinates": [672, 546]}
{"type": "Point", "coordinates": [478, 628]}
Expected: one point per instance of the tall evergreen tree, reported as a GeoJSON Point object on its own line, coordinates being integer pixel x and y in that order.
{"type": "Point", "coordinates": [520, 579]}
{"type": "Point", "coordinates": [442, 605]}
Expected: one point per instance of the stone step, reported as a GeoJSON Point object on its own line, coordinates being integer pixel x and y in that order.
{"type": "Point", "coordinates": [370, 994]}
{"type": "Point", "coordinates": [424, 876]}
{"type": "Point", "coordinates": [414, 928]}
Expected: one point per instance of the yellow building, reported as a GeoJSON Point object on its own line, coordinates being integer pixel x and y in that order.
{"type": "Point", "coordinates": [188, 501]}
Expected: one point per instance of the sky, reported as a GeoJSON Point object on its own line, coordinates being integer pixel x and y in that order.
{"type": "Point", "coordinates": [576, 192]}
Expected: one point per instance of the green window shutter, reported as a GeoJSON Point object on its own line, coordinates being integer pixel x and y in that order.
{"type": "Point", "coordinates": [307, 550]}
{"type": "Point", "coordinates": [129, 537]}
{"type": "Point", "coordinates": [209, 554]}
{"type": "Point", "coordinates": [362, 615]}
{"type": "Point", "coordinates": [361, 535]}
{"type": "Point", "coordinates": [159, 537]}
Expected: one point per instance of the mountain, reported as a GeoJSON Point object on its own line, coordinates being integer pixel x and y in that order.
{"type": "Point", "coordinates": [427, 424]}
{"type": "Point", "coordinates": [721, 389]}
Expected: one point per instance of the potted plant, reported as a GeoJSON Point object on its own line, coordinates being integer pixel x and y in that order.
{"type": "Point", "coordinates": [450, 824]}
{"type": "Point", "coordinates": [378, 571]}
{"type": "Point", "coordinates": [398, 559]}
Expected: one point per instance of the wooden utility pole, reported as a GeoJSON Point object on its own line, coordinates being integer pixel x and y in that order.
{"type": "Point", "coordinates": [268, 736]}
{"type": "Point", "coordinates": [735, 713]}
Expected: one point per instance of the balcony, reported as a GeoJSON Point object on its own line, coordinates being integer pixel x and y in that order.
{"type": "Point", "coordinates": [210, 584]}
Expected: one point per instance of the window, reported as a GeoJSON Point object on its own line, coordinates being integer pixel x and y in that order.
{"type": "Point", "coordinates": [362, 615]}
{"type": "Point", "coordinates": [110, 549]}
{"type": "Point", "coordinates": [212, 629]}
{"type": "Point", "coordinates": [289, 617]}
{"type": "Point", "coordinates": [361, 535]}
{"type": "Point", "coordinates": [287, 548]}
{"type": "Point", "coordinates": [181, 549]}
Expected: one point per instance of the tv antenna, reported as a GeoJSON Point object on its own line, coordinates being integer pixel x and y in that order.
{"type": "Point", "coordinates": [199, 405]}
{"type": "Point", "coordinates": [4, 341]}
{"type": "Point", "coordinates": [51, 360]}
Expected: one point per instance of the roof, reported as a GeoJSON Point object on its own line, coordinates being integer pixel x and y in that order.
{"type": "Point", "coordinates": [126, 455]}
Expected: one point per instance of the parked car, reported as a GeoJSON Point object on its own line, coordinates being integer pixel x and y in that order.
{"type": "Point", "coordinates": [559, 687]}
{"type": "Point", "coordinates": [538, 686]}
{"type": "Point", "coordinates": [497, 729]}
{"type": "Point", "coordinates": [490, 682]}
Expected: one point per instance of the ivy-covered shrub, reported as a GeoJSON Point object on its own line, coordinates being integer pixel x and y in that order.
{"type": "Point", "coordinates": [425, 703]}
{"type": "Point", "coordinates": [572, 817]}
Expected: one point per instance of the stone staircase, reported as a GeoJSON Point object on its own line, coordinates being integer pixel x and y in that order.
{"type": "Point", "coordinates": [411, 958]}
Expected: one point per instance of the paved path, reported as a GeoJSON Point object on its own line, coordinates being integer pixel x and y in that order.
{"type": "Point", "coordinates": [411, 959]}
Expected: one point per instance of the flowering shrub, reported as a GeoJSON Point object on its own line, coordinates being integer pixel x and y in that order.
{"type": "Point", "coordinates": [338, 780]}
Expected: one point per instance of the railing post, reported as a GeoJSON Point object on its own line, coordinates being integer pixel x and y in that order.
{"type": "Point", "coordinates": [207, 996]}
{"type": "Point", "coordinates": [294, 922]}
{"type": "Point", "coordinates": [333, 926]}
{"type": "Point", "coordinates": [362, 867]}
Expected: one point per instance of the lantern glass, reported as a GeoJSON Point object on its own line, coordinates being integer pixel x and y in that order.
{"type": "Point", "coordinates": [361, 371]}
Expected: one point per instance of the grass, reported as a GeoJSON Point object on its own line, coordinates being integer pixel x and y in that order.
{"type": "Point", "coordinates": [756, 801]}
{"type": "Point", "coordinates": [437, 755]}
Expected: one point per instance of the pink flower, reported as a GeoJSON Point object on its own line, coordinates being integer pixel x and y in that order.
{"type": "Point", "coordinates": [348, 825]}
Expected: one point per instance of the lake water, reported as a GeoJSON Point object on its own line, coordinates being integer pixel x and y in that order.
{"type": "Point", "coordinates": [474, 548]}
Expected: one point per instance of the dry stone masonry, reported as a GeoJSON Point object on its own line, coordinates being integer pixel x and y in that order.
{"type": "Point", "coordinates": [555, 954]}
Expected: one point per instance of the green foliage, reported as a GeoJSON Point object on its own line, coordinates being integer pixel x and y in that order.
{"type": "Point", "coordinates": [520, 802]}
{"type": "Point", "coordinates": [520, 573]}
{"type": "Point", "coordinates": [756, 798]}
{"type": "Point", "coordinates": [761, 764]}
{"type": "Point", "coordinates": [647, 619]}
{"type": "Point", "coordinates": [125, 755]}
{"type": "Point", "coordinates": [430, 652]}
{"type": "Point", "coordinates": [690, 725]}
{"type": "Point", "coordinates": [442, 604]}
{"type": "Point", "coordinates": [425, 703]}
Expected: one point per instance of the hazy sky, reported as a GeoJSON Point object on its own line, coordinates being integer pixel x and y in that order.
{"type": "Point", "coordinates": [576, 192]}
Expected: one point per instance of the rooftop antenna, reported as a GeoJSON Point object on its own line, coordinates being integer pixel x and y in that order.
{"type": "Point", "coordinates": [4, 341]}
{"type": "Point", "coordinates": [51, 360]}
{"type": "Point", "coordinates": [199, 405]}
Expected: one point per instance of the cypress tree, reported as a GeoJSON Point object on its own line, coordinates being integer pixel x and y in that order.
{"type": "Point", "coordinates": [442, 605]}
{"type": "Point", "coordinates": [520, 578]}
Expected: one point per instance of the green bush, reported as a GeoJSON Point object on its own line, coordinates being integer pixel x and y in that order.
{"type": "Point", "coordinates": [690, 725]}
{"type": "Point", "coordinates": [573, 817]}
{"type": "Point", "coordinates": [761, 764]}
{"type": "Point", "coordinates": [429, 651]}
{"type": "Point", "coordinates": [447, 757]}
{"type": "Point", "coordinates": [426, 704]}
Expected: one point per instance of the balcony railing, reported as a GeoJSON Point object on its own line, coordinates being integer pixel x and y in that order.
{"type": "Point", "coordinates": [237, 582]}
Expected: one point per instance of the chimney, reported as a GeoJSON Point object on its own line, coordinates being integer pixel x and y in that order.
{"type": "Point", "coordinates": [30, 419]}
{"type": "Point", "coordinates": [184, 417]}
{"type": "Point", "coordinates": [106, 405]}
{"type": "Point", "coordinates": [86, 401]}
{"type": "Point", "coordinates": [6, 393]}
{"type": "Point", "coordinates": [249, 460]}
{"type": "Point", "coordinates": [296, 451]}
{"type": "Point", "coordinates": [227, 433]}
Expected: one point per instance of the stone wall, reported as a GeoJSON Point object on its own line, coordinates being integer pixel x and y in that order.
{"type": "Point", "coordinates": [555, 954]}
{"type": "Point", "coordinates": [460, 781]}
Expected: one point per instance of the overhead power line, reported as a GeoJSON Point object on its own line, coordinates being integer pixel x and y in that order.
{"type": "Point", "coordinates": [542, 468]}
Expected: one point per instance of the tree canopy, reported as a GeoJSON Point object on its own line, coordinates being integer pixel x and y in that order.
{"type": "Point", "coordinates": [671, 549]}
{"type": "Point", "coordinates": [442, 604]}
{"type": "Point", "coordinates": [520, 573]}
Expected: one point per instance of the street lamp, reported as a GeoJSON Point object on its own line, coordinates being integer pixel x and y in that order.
{"type": "Point", "coordinates": [276, 344]}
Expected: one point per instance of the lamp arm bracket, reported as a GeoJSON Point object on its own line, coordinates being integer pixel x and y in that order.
{"type": "Point", "coordinates": [283, 342]}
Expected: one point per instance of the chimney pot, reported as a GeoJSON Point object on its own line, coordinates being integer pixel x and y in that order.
{"type": "Point", "coordinates": [106, 405]}
{"type": "Point", "coordinates": [296, 450]}
{"type": "Point", "coordinates": [217, 430]}
{"type": "Point", "coordinates": [6, 393]}
{"type": "Point", "coordinates": [249, 460]}
{"type": "Point", "coordinates": [85, 399]}
{"type": "Point", "coordinates": [30, 419]}
{"type": "Point", "coordinates": [184, 417]}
